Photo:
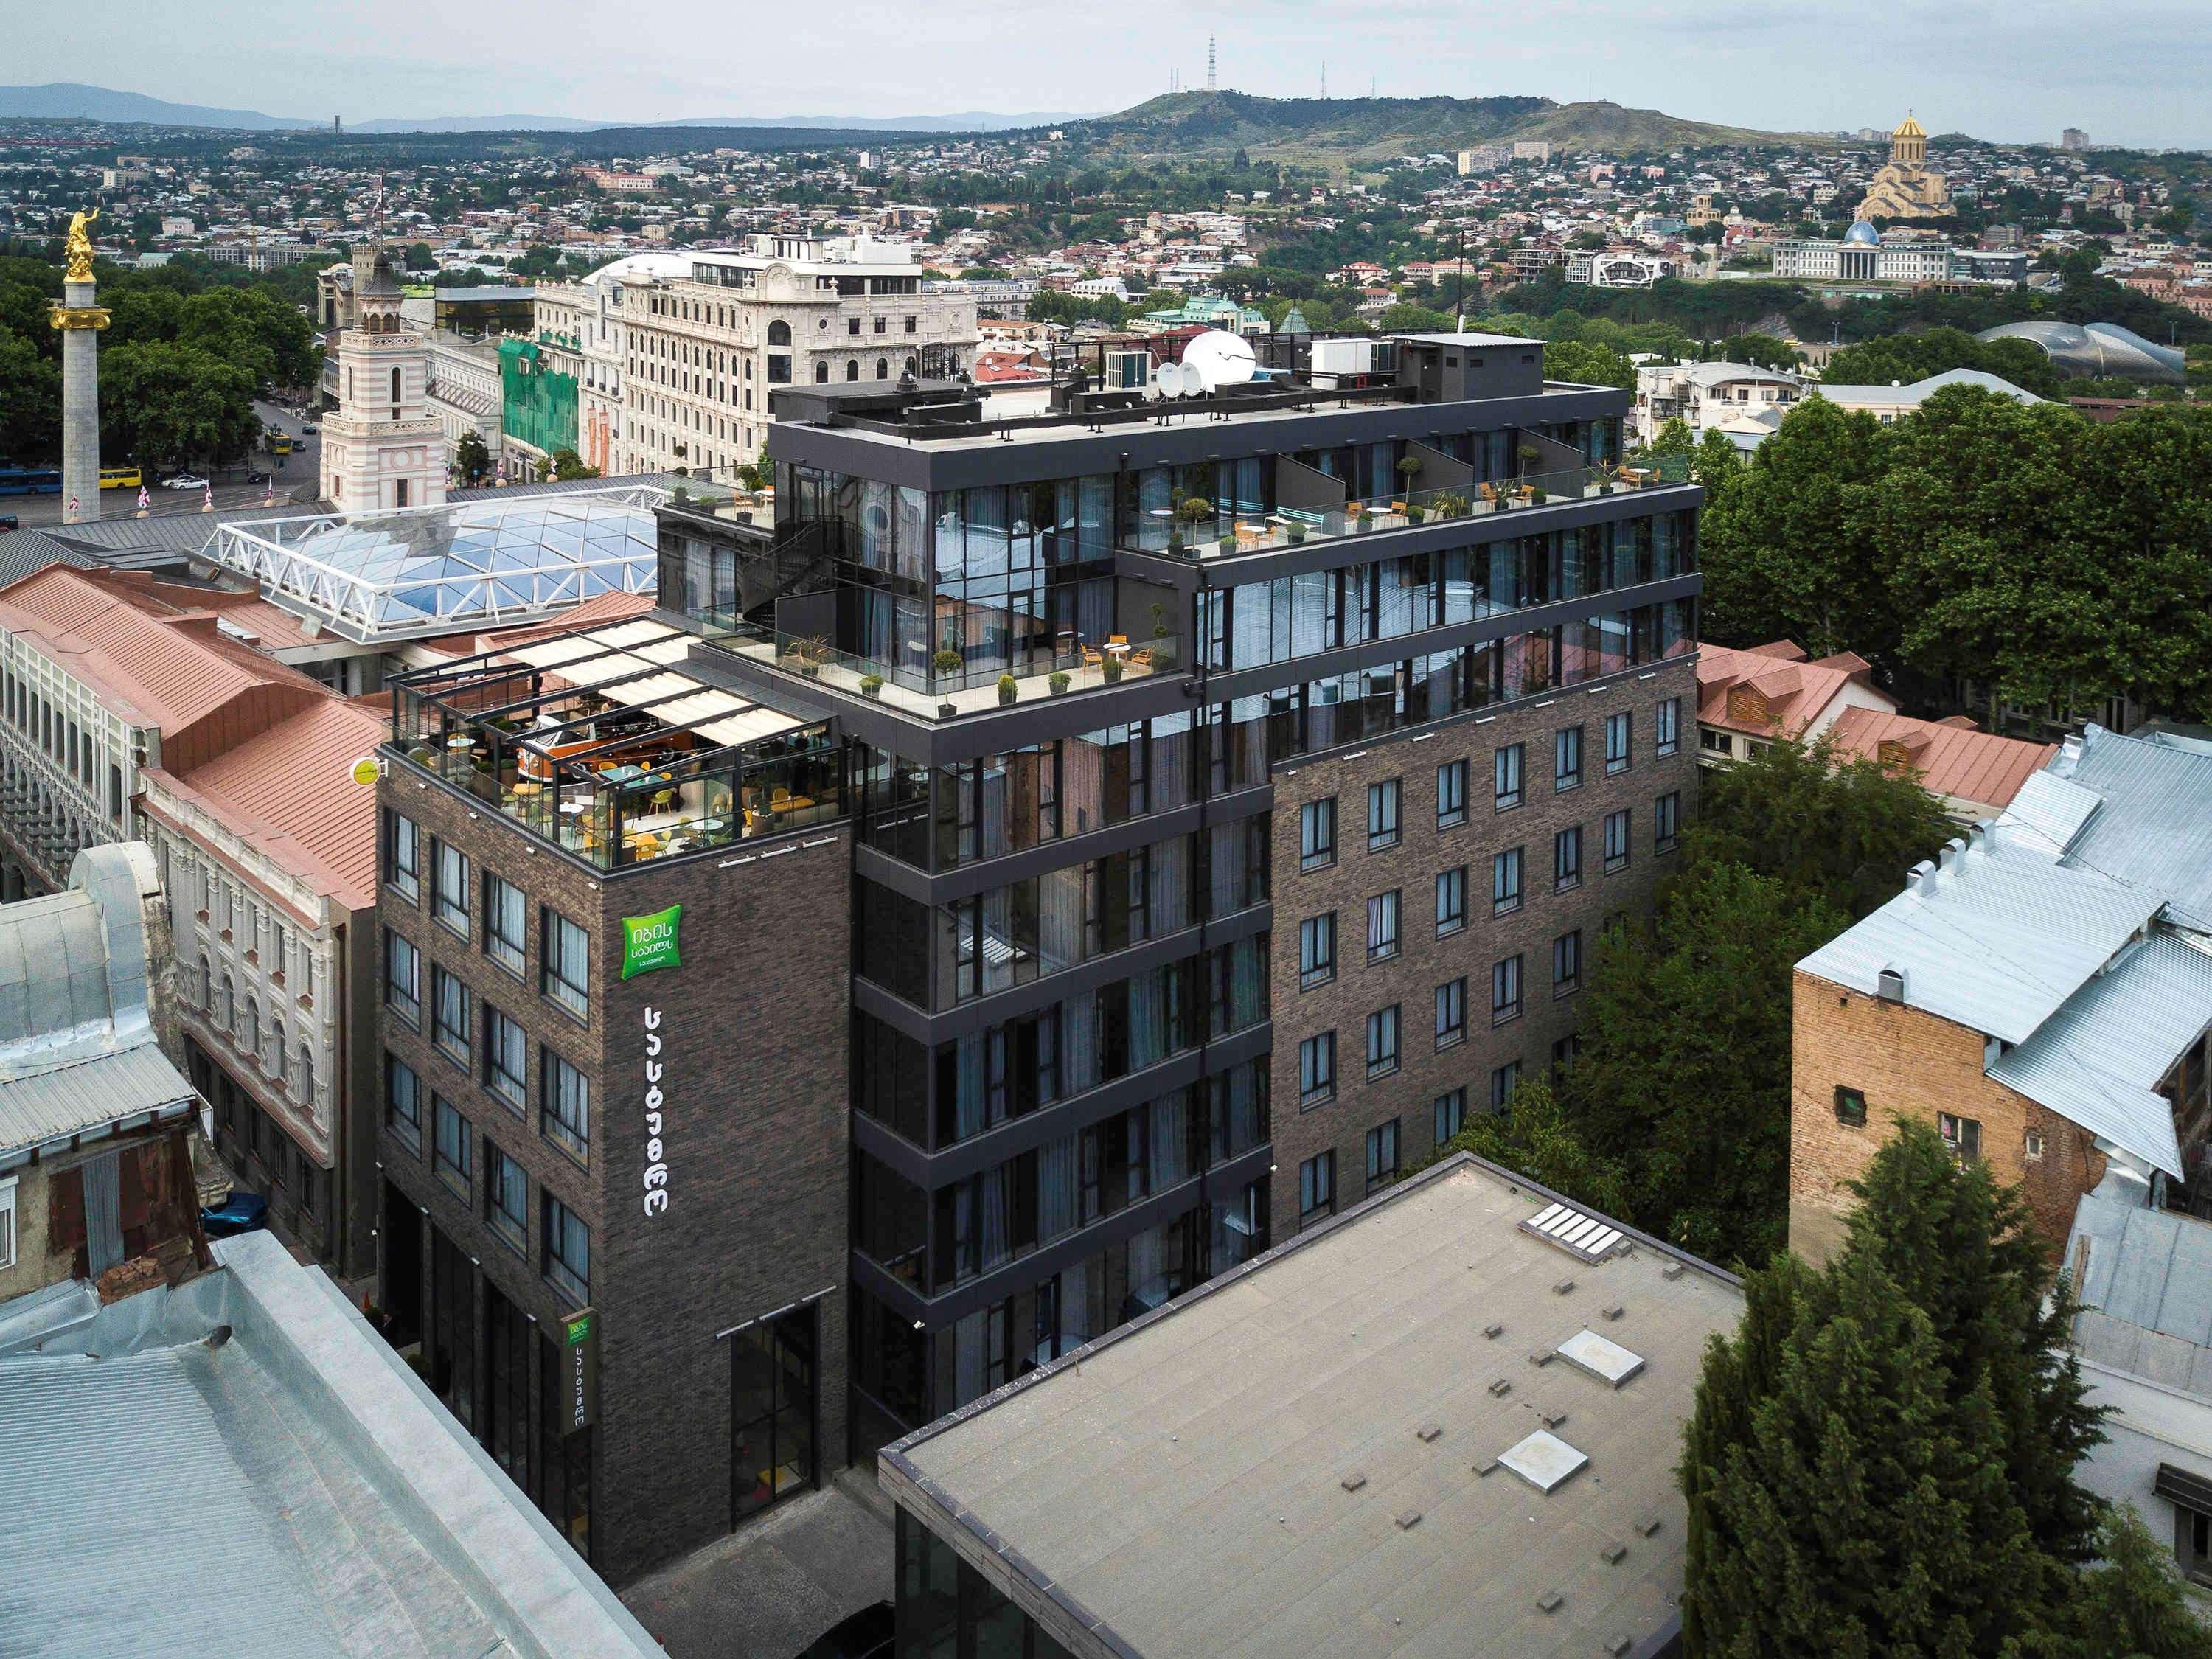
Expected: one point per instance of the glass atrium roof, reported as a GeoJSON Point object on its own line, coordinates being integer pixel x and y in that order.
{"type": "Point", "coordinates": [444, 569]}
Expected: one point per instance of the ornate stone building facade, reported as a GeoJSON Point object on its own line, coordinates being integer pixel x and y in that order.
{"type": "Point", "coordinates": [1903, 188]}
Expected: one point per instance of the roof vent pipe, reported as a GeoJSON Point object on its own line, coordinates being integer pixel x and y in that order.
{"type": "Point", "coordinates": [1949, 855]}
{"type": "Point", "coordinates": [1889, 985]}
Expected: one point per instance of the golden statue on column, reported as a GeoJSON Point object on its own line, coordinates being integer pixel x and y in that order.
{"type": "Point", "coordinates": [79, 247]}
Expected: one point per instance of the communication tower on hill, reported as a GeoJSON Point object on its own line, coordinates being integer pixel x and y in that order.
{"type": "Point", "coordinates": [1209, 63]}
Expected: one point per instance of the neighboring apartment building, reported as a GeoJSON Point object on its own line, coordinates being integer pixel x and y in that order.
{"type": "Point", "coordinates": [1892, 404]}
{"type": "Point", "coordinates": [579, 324]}
{"type": "Point", "coordinates": [2040, 995]}
{"type": "Point", "coordinates": [1069, 772]}
{"type": "Point", "coordinates": [1711, 397]}
{"type": "Point", "coordinates": [703, 351]}
{"type": "Point", "coordinates": [1430, 1427]}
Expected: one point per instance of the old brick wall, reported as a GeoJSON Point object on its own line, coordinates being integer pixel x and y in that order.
{"type": "Point", "coordinates": [1424, 962]}
{"type": "Point", "coordinates": [1909, 1064]}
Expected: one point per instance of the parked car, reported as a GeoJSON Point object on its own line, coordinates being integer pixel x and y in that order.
{"type": "Point", "coordinates": [310, 428]}
{"type": "Point", "coordinates": [257, 477]}
{"type": "Point", "coordinates": [867, 1634]}
{"type": "Point", "coordinates": [9, 521]}
{"type": "Point", "coordinates": [241, 1213]}
{"type": "Point", "coordinates": [185, 480]}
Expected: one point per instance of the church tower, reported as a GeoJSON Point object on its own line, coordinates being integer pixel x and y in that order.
{"type": "Point", "coordinates": [384, 448]}
{"type": "Point", "coordinates": [1908, 144]}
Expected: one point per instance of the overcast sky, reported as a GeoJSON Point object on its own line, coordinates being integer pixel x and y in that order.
{"type": "Point", "coordinates": [2129, 71]}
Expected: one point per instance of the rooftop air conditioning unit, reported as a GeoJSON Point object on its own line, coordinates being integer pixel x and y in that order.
{"type": "Point", "coordinates": [1343, 356]}
{"type": "Point", "coordinates": [1127, 371]}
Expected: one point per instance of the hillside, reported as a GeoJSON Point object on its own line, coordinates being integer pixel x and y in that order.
{"type": "Point", "coordinates": [67, 101]}
{"type": "Point", "coordinates": [1348, 132]}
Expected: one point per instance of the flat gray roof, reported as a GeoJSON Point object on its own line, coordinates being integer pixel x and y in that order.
{"type": "Point", "coordinates": [1289, 1460]}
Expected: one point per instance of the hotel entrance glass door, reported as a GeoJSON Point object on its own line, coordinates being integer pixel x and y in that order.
{"type": "Point", "coordinates": [772, 1412]}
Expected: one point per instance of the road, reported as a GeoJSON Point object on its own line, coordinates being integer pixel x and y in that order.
{"type": "Point", "coordinates": [295, 480]}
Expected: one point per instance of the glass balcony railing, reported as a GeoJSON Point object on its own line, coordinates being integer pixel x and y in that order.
{"type": "Point", "coordinates": [951, 685]}
{"type": "Point", "coordinates": [1227, 535]}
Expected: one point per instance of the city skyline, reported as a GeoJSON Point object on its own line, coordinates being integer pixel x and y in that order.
{"type": "Point", "coordinates": [1732, 64]}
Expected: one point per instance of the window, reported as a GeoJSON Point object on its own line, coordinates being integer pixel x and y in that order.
{"type": "Point", "coordinates": [1450, 1113]}
{"type": "Point", "coordinates": [1567, 758]}
{"type": "Point", "coordinates": [1317, 951]}
{"type": "Point", "coordinates": [504, 1046]}
{"type": "Point", "coordinates": [564, 1115]}
{"type": "Point", "coordinates": [7, 1221]}
{"type": "Point", "coordinates": [1451, 794]}
{"type": "Point", "coordinates": [1383, 926]}
{"type": "Point", "coordinates": [1503, 1082]}
{"type": "Point", "coordinates": [1563, 1052]}
{"type": "Point", "coordinates": [507, 1196]}
{"type": "Point", "coordinates": [2031, 1144]}
{"type": "Point", "coordinates": [1566, 963]}
{"type": "Point", "coordinates": [503, 941]}
{"type": "Point", "coordinates": [1619, 736]}
{"type": "Point", "coordinates": [1381, 815]}
{"type": "Point", "coordinates": [453, 1159]}
{"type": "Point", "coordinates": [2192, 1535]}
{"type": "Point", "coordinates": [1382, 1154]}
{"type": "Point", "coordinates": [449, 903]}
{"type": "Point", "coordinates": [1451, 1012]}
{"type": "Point", "coordinates": [1317, 834]}
{"type": "Point", "coordinates": [1316, 1188]}
{"type": "Point", "coordinates": [403, 854]}
{"type": "Point", "coordinates": [1505, 990]}
{"type": "Point", "coordinates": [1383, 1042]}
{"type": "Point", "coordinates": [1616, 840]}
{"type": "Point", "coordinates": [1451, 902]}
{"type": "Point", "coordinates": [403, 1102]}
{"type": "Point", "coordinates": [1666, 822]}
{"type": "Point", "coordinates": [1506, 881]}
{"type": "Point", "coordinates": [568, 1245]}
{"type": "Point", "coordinates": [1963, 1135]}
{"type": "Point", "coordinates": [1850, 1106]}
{"type": "Point", "coordinates": [451, 1014]}
{"type": "Point", "coordinates": [1316, 1069]}
{"type": "Point", "coordinates": [403, 980]}
{"type": "Point", "coordinates": [566, 977]}
{"type": "Point", "coordinates": [1666, 727]}
{"type": "Point", "coordinates": [1567, 859]}
{"type": "Point", "coordinates": [1505, 775]}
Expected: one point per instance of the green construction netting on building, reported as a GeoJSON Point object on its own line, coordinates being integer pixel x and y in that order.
{"type": "Point", "coordinates": [537, 405]}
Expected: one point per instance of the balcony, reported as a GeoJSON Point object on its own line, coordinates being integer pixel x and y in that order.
{"type": "Point", "coordinates": [949, 688]}
{"type": "Point", "coordinates": [1211, 535]}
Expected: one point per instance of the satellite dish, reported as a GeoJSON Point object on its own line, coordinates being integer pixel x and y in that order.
{"type": "Point", "coordinates": [1169, 379]}
{"type": "Point", "coordinates": [1217, 358]}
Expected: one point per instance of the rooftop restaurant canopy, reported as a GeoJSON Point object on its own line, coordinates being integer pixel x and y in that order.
{"type": "Point", "coordinates": [421, 571]}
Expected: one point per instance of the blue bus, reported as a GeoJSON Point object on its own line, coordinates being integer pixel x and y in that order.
{"type": "Point", "coordinates": [30, 481]}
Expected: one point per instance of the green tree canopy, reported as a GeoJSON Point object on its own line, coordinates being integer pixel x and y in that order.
{"type": "Point", "coordinates": [30, 401]}
{"type": "Point", "coordinates": [1586, 364]}
{"type": "Point", "coordinates": [1534, 1137]}
{"type": "Point", "coordinates": [471, 459]}
{"type": "Point", "coordinates": [175, 406]}
{"type": "Point", "coordinates": [1909, 358]}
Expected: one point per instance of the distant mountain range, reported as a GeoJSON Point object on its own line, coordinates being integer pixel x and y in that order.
{"type": "Point", "coordinates": [61, 100]}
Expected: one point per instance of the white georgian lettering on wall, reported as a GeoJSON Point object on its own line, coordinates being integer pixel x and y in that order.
{"type": "Point", "coordinates": [656, 1168]}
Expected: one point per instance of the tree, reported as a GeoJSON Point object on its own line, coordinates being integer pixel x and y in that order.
{"type": "Point", "coordinates": [420, 257]}
{"type": "Point", "coordinates": [254, 330]}
{"type": "Point", "coordinates": [170, 406]}
{"type": "Point", "coordinates": [1909, 358]}
{"type": "Point", "coordinates": [1584, 364]}
{"type": "Point", "coordinates": [1836, 831]}
{"type": "Point", "coordinates": [568, 464]}
{"type": "Point", "coordinates": [30, 401]}
{"type": "Point", "coordinates": [1406, 318]}
{"type": "Point", "coordinates": [1533, 1137]}
{"type": "Point", "coordinates": [472, 459]}
{"type": "Point", "coordinates": [2131, 1605]}
{"type": "Point", "coordinates": [1697, 1111]}
{"type": "Point", "coordinates": [1761, 350]}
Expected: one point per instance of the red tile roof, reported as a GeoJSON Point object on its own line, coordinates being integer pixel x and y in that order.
{"type": "Point", "coordinates": [1771, 690]}
{"type": "Point", "coordinates": [1961, 763]}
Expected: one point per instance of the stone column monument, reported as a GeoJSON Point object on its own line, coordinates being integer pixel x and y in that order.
{"type": "Point", "coordinates": [79, 321]}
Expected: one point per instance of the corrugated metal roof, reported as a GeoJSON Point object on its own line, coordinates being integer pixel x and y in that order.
{"type": "Point", "coordinates": [84, 1093]}
{"type": "Point", "coordinates": [127, 1525]}
{"type": "Point", "coordinates": [2045, 816]}
{"type": "Point", "coordinates": [1996, 944]}
{"type": "Point", "coordinates": [2098, 1060]}
{"type": "Point", "coordinates": [2144, 1280]}
{"type": "Point", "coordinates": [2154, 828]}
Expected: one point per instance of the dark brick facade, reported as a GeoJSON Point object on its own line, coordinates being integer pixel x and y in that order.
{"type": "Point", "coordinates": [752, 1044]}
{"type": "Point", "coordinates": [1424, 960]}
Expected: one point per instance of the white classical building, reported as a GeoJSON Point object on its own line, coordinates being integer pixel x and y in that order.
{"type": "Point", "coordinates": [1865, 255]}
{"type": "Point", "coordinates": [69, 757]}
{"type": "Point", "coordinates": [579, 327]}
{"type": "Point", "coordinates": [384, 448]}
{"type": "Point", "coordinates": [1710, 396]}
{"type": "Point", "coordinates": [701, 350]}
{"type": "Point", "coordinates": [464, 393]}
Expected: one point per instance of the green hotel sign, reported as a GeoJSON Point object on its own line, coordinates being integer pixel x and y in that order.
{"type": "Point", "coordinates": [649, 942]}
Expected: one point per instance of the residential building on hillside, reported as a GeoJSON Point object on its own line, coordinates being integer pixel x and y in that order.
{"type": "Point", "coordinates": [703, 351]}
{"type": "Point", "coordinates": [1322, 1487]}
{"type": "Point", "coordinates": [1066, 718]}
{"type": "Point", "coordinates": [1706, 395]}
{"type": "Point", "coordinates": [2040, 994]}
{"type": "Point", "coordinates": [98, 1198]}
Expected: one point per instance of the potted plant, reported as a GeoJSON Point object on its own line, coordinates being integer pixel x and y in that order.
{"type": "Point", "coordinates": [947, 663]}
{"type": "Point", "coordinates": [946, 711]}
{"type": "Point", "coordinates": [1008, 689]}
{"type": "Point", "coordinates": [1109, 670]}
{"type": "Point", "coordinates": [1296, 533]}
{"type": "Point", "coordinates": [1059, 681]}
{"type": "Point", "coordinates": [809, 655]}
{"type": "Point", "coordinates": [1409, 468]}
{"type": "Point", "coordinates": [1414, 512]}
{"type": "Point", "coordinates": [1159, 620]}
{"type": "Point", "coordinates": [1226, 544]}
{"type": "Point", "coordinates": [1535, 494]}
{"type": "Point", "coordinates": [1191, 510]}
{"type": "Point", "coordinates": [1450, 504]}
{"type": "Point", "coordinates": [871, 685]}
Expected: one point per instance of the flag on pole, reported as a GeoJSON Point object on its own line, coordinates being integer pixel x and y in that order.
{"type": "Point", "coordinates": [145, 500]}
{"type": "Point", "coordinates": [207, 498]}
{"type": "Point", "coordinates": [72, 509]}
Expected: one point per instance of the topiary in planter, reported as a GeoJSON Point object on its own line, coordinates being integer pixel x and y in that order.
{"type": "Point", "coordinates": [871, 685]}
{"type": "Point", "coordinates": [1110, 670]}
{"type": "Point", "coordinates": [1226, 544]}
{"type": "Point", "coordinates": [1008, 688]}
{"type": "Point", "coordinates": [947, 663]}
{"type": "Point", "coordinates": [1059, 682]}
{"type": "Point", "coordinates": [1297, 533]}
{"type": "Point", "coordinates": [1414, 514]}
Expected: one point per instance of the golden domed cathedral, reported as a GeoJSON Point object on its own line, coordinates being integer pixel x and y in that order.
{"type": "Point", "coordinates": [1903, 188]}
